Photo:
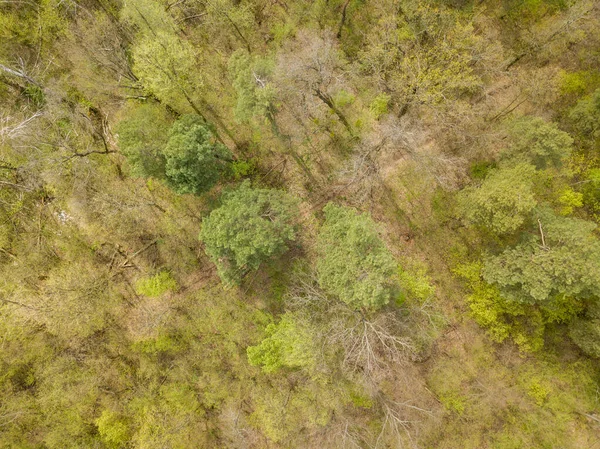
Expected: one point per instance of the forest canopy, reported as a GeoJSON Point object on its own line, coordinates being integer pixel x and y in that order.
{"type": "Point", "coordinates": [299, 224]}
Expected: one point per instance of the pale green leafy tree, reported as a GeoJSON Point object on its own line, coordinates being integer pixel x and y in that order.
{"type": "Point", "coordinates": [165, 65]}
{"type": "Point", "coordinates": [232, 22]}
{"type": "Point", "coordinates": [354, 263]}
{"type": "Point", "coordinates": [561, 261]}
{"type": "Point", "coordinates": [538, 142]}
{"type": "Point", "coordinates": [287, 344]}
{"type": "Point", "coordinates": [251, 82]}
{"type": "Point", "coordinates": [503, 201]}
{"type": "Point", "coordinates": [425, 55]}
{"type": "Point", "coordinates": [148, 16]}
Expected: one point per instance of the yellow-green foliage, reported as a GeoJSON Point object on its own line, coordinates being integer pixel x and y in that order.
{"type": "Point", "coordinates": [156, 285]}
{"type": "Point", "coordinates": [578, 83]}
{"type": "Point", "coordinates": [281, 31]}
{"type": "Point", "coordinates": [503, 201]}
{"type": "Point", "coordinates": [344, 98]}
{"type": "Point", "coordinates": [537, 391]}
{"type": "Point", "coordinates": [243, 168]}
{"type": "Point", "coordinates": [379, 105]}
{"type": "Point", "coordinates": [359, 399]}
{"type": "Point", "coordinates": [524, 402]}
{"type": "Point", "coordinates": [569, 199]}
{"type": "Point", "coordinates": [288, 344]}
{"type": "Point", "coordinates": [453, 402]}
{"type": "Point", "coordinates": [164, 64]}
{"type": "Point", "coordinates": [501, 318]}
{"type": "Point", "coordinates": [108, 343]}
{"type": "Point", "coordinates": [279, 413]}
{"type": "Point", "coordinates": [113, 429]}
{"type": "Point", "coordinates": [428, 71]}
{"type": "Point", "coordinates": [415, 282]}
{"type": "Point", "coordinates": [551, 387]}
{"type": "Point", "coordinates": [528, 11]}
{"type": "Point", "coordinates": [38, 24]}
{"type": "Point", "coordinates": [447, 384]}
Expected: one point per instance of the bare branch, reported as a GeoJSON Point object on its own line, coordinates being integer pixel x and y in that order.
{"type": "Point", "coordinates": [12, 131]}
{"type": "Point", "coordinates": [20, 74]}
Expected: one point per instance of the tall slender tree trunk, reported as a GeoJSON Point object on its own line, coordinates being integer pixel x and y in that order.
{"type": "Point", "coordinates": [325, 98]}
{"type": "Point", "coordinates": [287, 141]}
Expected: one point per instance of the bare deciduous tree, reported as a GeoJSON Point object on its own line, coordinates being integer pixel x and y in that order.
{"type": "Point", "coordinates": [310, 73]}
{"type": "Point", "coordinates": [369, 343]}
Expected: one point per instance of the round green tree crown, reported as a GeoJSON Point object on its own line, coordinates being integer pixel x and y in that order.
{"type": "Point", "coordinates": [503, 201]}
{"type": "Point", "coordinates": [250, 227]}
{"type": "Point", "coordinates": [194, 159]}
{"type": "Point", "coordinates": [354, 263]}
{"type": "Point", "coordinates": [565, 264]}
{"type": "Point", "coordinates": [538, 142]}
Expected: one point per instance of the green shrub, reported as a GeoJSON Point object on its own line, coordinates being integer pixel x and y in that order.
{"type": "Point", "coordinates": [36, 95]}
{"type": "Point", "coordinates": [287, 344]}
{"type": "Point", "coordinates": [343, 98]}
{"type": "Point", "coordinates": [415, 282]}
{"type": "Point", "coordinates": [454, 402]}
{"type": "Point", "coordinates": [379, 105]}
{"type": "Point", "coordinates": [538, 391]}
{"type": "Point", "coordinates": [569, 200]}
{"type": "Point", "coordinates": [156, 285]}
{"type": "Point", "coordinates": [243, 168]}
{"type": "Point", "coordinates": [113, 429]}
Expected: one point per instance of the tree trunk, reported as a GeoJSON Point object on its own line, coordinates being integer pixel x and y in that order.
{"type": "Point", "coordinates": [287, 140]}
{"type": "Point", "coordinates": [343, 20]}
{"type": "Point", "coordinates": [329, 102]}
